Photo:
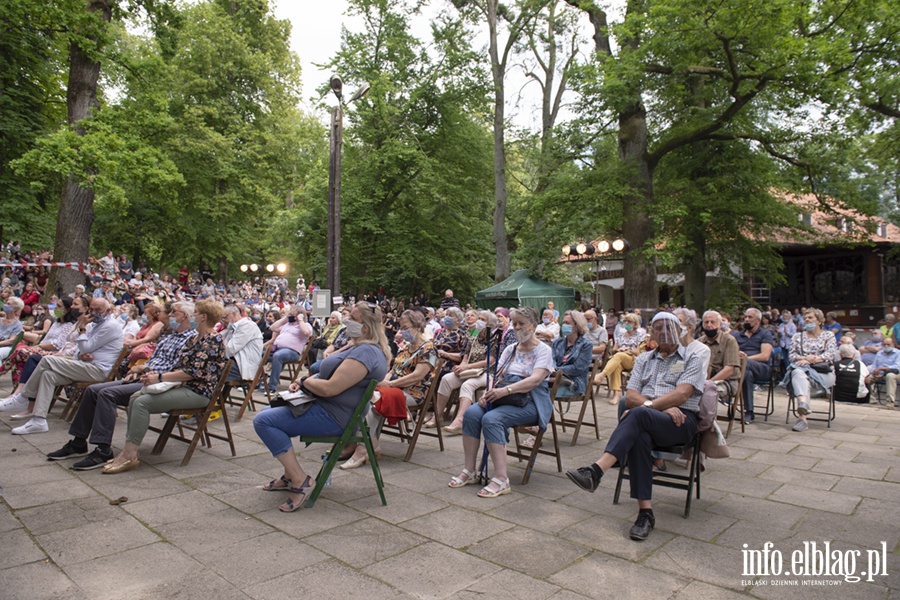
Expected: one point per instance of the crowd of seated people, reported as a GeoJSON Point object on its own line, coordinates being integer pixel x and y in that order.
{"type": "Point", "coordinates": [181, 331]}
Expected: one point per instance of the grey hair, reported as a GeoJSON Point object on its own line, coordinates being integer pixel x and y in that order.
{"type": "Point", "coordinates": [231, 308]}
{"type": "Point", "coordinates": [488, 317]}
{"type": "Point", "coordinates": [16, 303]}
{"type": "Point", "coordinates": [336, 314]}
{"type": "Point", "coordinates": [690, 317]}
{"type": "Point", "coordinates": [754, 311]}
{"type": "Point", "coordinates": [185, 307]}
{"type": "Point", "coordinates": [579, 320]}
{"type": "Point", "coordinates": [527, 313]}
{"type": "Point", "coordinates": [847, 350]}
{"type": "Point", "coordinates": [712, 313]}
{"type": "Point", "coordinates": [456, 313]}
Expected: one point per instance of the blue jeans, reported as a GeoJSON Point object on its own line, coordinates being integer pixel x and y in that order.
{"type": "Point", "coordinates": [276, 426]}
{"type": "Point", "coordinates": [278, 358]}
{"type": "Point", "coordinates": [314, 368]}
{"type": "Point", "coordinates": [495, 423]}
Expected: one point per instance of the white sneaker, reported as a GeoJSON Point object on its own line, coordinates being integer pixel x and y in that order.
{"type": "Point", "coordinates": [32, 426]}
{"type": "Point", "coordinates": [16, 402]}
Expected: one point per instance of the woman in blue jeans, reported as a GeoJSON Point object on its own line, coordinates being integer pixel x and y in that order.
{"type": "Point", "coordinates": [528, 364]}
{"type": "Point", "coordinates": [292, 332]}
{"type": "Point", "coordinates": [339, 386]}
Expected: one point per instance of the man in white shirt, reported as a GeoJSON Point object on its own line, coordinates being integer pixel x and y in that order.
{"type": "Point", "coordinates": [596, 333]}
{"type": "Point", "coordinates": [548, 330]}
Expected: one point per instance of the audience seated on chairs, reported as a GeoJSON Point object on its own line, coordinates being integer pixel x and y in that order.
{"type": "Point", "coordinates": [341, 341]}
{"type": "Point", "coordinates": [724, 357]}
{"type": "Point", "coordinates": [629, 344]}
{"type": "Point", "coordinates": [339, 386]}
{"type": "Point", "coordinates": [198, 371]}
{"type": "Point", "coordinates": [849, 339]}
{"type": "Point", "coordinates": [410, 376]}
{"type": "Point", "coordinates": [572, 355]}
{"type": "Point", "coordinates": [96, 416]}
{"type": "Point", "coordinates": [40, 327]}
{"type": "Point", "coordinates": [523, 368]}
{"type": "Point", "coordinates": [292, 332]}
{"type": "Point", "coordinates": [786, 331]}
{"type": "Point", "coordinates": [54, 341]}
{"type": "Point", "coordinates": [10, 325]}
{"type": "Point", "coordinates": [450, 344]}
{"type": "Point", "coordinates": [243, 342]}
{"type": "Point", "coordinates": [145, 340]}
{"type": "Point", "coordinates": [469, 376]}
{"type": "Point", "coordinates": [596, 333]}
{"type": "Point", "coordinates": [871, 348]}
{"type": "Point", "coordinates": [810, 346]}
{"type": "Point", "coordinates": [663, 398]}
{"type": "Point", "coordinates": [850, 376]}
{"type": "Point", "coordinates": [886, 368]}
{"type": "Point", "coordinates": [98, 348]}
{"type": "Point", "coordinates": [756, 344]}
{"type": "Point", "coordinates": [548, 330]}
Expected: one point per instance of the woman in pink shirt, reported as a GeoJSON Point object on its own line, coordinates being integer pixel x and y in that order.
{"type": "Point", "coordinates": [291, 334]}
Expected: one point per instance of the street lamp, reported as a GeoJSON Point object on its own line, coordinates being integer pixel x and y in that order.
{"type": "Point", "coordinates": [333, 262]}
{"type": "Point", "coordinates": [244, 268]}
{"type": "Point", "coordinates": [281, 267]}
{"type": "Point", "coordinates": [583, 251]}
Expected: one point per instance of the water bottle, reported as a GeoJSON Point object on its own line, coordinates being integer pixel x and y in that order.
{"type": "Point", "coordinates": [325, 458]}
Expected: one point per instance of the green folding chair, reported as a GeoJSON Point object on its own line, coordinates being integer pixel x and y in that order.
{"type": "Point", "coordinates": [356, 432]}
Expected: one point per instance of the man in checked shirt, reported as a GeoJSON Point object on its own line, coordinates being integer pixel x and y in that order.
{"type": "Point", "coordinates": [96, 415]}
{"type": "Point", "coordinates": [663, 398]}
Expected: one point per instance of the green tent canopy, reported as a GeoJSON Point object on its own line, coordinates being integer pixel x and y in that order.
{"type": "Point", "coordinates": [521, 289]}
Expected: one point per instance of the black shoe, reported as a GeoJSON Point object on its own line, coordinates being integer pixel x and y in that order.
{"type": "Point", "coordinates": [748, 418]}
{"type": "Point", "coordinates": [70, 450]}
{"type": "Point", "coordinates": [94, 460]}
{"type": "Point", "coordinates": [643, 526]}
{"type": "Point", "coordinates": [583, 477]}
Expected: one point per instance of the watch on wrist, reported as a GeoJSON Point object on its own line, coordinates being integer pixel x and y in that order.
{"type": "Point", "coordinates": [649, 403]}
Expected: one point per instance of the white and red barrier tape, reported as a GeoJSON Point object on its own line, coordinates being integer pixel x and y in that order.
{"type": "Point", "coordinates": [75, 266]}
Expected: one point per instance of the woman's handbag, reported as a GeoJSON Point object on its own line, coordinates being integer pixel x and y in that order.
{"type": "Point", "coordinates": [471, 374]}
{"type": "Point", "coordinates": [519, 399]}
{"type": "Point", "coordinates": [822, 367]}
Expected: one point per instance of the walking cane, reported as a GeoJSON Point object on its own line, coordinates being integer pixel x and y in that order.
{"type": "Point", "coordinates": [483, 477]}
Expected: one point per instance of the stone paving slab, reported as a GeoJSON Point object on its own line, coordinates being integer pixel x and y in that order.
{"type": "Point", "coordinates": [207, 530]}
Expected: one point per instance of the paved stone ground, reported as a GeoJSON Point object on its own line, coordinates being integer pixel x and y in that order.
{"type": "Point", "coordinates": [207, 530]}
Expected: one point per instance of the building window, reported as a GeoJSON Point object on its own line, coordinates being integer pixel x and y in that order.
{"type": "Point", "coordinates": [882, 230]}
{"type": "Point", "coordinates": [839, 280]}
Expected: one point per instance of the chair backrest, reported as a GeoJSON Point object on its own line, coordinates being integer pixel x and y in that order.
{"type": "Point", "coordinates": [114, 371]}
{"type": "Point", "coordinates": [435, 383]}
{"type": "Point", "coordinates": [223, 378]}
{"type": "Point", "coordinates": [596, 367]}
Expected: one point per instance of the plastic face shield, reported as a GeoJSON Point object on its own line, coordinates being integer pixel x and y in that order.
{"type": "Point", "coordinates": [666, 330]}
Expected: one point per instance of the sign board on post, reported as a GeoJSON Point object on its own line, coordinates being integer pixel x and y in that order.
{"type": "Point", "coordinates": [321, 303]}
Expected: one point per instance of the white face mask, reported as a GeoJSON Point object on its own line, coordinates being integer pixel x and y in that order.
{"type": "Point", "coordinates": [354, 328]}
{"type": "Point", "coordinates": [523, 335]}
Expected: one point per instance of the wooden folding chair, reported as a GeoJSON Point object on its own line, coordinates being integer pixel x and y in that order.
{"type": "Point", "coordinates": [76, 390]}
{"type": "Point", "coordinates": [530, 454]}
{"type": "Point", "coordinates": [419, 412]}
{"type": "Point", "coordinates": [248, 386]}
{"type": "Point", "coordinates": [585, 398]}
{"type": "Point", "coordinates": [830, 414]}
{"type": "Point", "coordinates": [736, 408]}
{"type": "Point", "coordinates": [356, 432]}
{"type": "Point", "coordinates": [201, 431]}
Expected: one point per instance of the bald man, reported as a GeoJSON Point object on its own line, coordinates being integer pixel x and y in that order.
{"type": "Point", "coordinates": [99, 344]}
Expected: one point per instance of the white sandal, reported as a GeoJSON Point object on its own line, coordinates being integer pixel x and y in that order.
{"type": "Point", "coordinates": [458, 481]}
{"type": "Point", "coordinates": [487, 492]}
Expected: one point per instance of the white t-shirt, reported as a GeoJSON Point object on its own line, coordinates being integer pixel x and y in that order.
{"type": "Point", "coordinates": [523, 364]}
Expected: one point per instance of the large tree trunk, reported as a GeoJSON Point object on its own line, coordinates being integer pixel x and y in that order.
{"type": "Point", "coordinates": [639, 266]}
{"type": "Point", "coordinates": [501, 243]}
{"type": "Point", "coordinates": [695, 276]}
{"type": "Point", "coordinates": [76, 206]}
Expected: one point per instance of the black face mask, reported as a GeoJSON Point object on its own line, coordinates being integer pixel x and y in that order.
{"type": "Point", "coordinates": [75, 312]}
{"type": "Point", "coordinates": [711, 333]}
{"type": "Point", "coordinates": [747, 326]}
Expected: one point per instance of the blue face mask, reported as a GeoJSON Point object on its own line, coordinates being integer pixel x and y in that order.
{"type": "Point", "coordinates": [408, 335]}
{"type": "Point", "coordinates": [173, 324]}
{"type": "Point", "coordinates": [193, 323]}
{"type": "Point", "coordinates": [809, 326]}
{"type": "Point", "coordinates": [7, 308]}
{"type": "Point", "coordinates": [143, 319]}
{"type": "Point", "coordinates": [566, 329]}
{"type": "Point", "coordinates": [590, 325]}
{"type": "Point", "coordinates": [545, 321]}
{"type": "Point", "coordinates": [888, 350]}
{"type": "Point", "coordinates": [99, 318]}
{"type": "Point", "coordinates": [448, 322]}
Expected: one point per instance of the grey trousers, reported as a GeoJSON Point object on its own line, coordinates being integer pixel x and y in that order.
{"type": "Point", "coordinates": [140, 409]}
{"type": "Point", "coordinates": [97, 414]}
{"type": "Point", "coordinates": [53, 371]}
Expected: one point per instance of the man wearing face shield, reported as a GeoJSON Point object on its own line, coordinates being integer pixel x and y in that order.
{"type": "Point", "coordinates": [663, 398]}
